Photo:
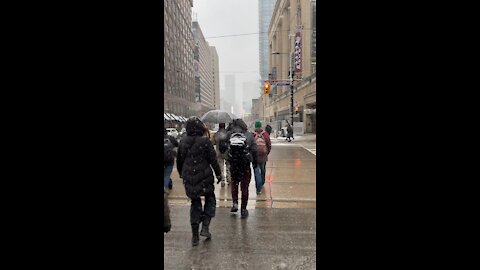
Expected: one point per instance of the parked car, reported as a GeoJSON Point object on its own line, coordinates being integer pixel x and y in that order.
{"type": "Point", "coordinates": [172, 132]}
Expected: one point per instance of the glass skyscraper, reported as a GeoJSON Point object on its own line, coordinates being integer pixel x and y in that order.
{"type": "Point", "coordinates": [265, 11]}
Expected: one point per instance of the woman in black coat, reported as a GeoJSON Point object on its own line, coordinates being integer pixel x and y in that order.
{"type": "Point", "coordinates": [195, 160]}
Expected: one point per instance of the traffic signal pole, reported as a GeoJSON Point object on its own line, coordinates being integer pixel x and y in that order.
{"type": "Point", "coordinates": [291, 89]}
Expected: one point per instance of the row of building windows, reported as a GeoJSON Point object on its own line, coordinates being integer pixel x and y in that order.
{"type": "Point", "coordinates": [178, 55]}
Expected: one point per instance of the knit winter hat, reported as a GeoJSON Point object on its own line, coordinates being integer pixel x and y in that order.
{"type": "Point", "coordinates": [258, 124]}
{"type": "Point", "coordinates": [194, 126]}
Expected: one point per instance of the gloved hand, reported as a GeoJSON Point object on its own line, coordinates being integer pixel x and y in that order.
{"type": "Point", "coordinates": [219, 178]}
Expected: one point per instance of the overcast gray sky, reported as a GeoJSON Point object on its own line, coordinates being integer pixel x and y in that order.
{"type": "Point", "coordinates": [237, 55]}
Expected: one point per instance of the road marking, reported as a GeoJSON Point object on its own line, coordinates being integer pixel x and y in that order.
{"type": "Point", "coordinates": [311, 150]}
{"type": "Point", "coordinates": [285, 144]}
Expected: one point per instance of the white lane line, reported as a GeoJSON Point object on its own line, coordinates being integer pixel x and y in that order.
{"type": "Point", "coordinates": [313, 151]}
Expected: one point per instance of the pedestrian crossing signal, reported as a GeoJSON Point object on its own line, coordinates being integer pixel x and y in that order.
{"type": "Point", "coordinates": [266, 88]}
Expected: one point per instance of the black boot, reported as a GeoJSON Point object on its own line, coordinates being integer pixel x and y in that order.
{"type": "Point", "coordinates": [234, 207]}
{"type": "Point", "coordinates": [244, 213]}
{"type": "Point", "coordinates": [195, 237]}
{"type": "Point", "coordinates": [206, 222]}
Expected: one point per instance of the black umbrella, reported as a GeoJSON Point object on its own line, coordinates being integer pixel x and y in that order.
{"type": "Point", "coordinates": [218, 116]}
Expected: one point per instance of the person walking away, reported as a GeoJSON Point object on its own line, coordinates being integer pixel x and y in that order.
{"type": "Point", "coordinates": [196, 158]}
{"type": "Point", "coordinates": [290, 132]}
{"type": "Point", "coordinates": [220, 140]}
{"type": "Point", "coordinates": [166, 213]}
{"type": "Point", "coordinates": [286, 134]}
{"type": "Point", "coordinates": [264, 145]}
{"type": "Point", "coordinates": [242, 151]}
{"type": "Point", "coordinates": [169, 144]}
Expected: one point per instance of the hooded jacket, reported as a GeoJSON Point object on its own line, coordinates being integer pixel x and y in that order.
{"type": "Point", "coordinates": [196, 157]}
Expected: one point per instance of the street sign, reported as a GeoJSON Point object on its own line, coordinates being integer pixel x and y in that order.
{"type": "Point", "coordinates": [281, 84]}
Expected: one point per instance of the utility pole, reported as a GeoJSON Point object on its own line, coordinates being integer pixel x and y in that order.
{"type": "Point", "coordinates": [291, 88]}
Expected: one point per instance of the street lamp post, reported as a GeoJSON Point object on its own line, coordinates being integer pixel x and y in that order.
{"type": "Point", "coordinates": [291, 83]}
{"type": "Point", "coordinates": [291, 88]}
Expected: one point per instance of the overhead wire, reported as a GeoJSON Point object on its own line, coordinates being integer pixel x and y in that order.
{"type": "Point", "coordinates": [258, 33]}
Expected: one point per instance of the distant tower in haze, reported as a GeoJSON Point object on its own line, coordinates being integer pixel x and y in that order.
{"type": "Point", "coordinates": [265, 11]}
{"type": "Point", "coordinates": [231, 95]}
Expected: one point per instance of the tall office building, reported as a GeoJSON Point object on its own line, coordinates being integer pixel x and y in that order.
{"type": "Point", "coordinates": [204, 82]}
{"type": "Point", "coordinates": [265, 11]}
{"type": "Point", "coordinates": [178, 58]}
{"type": "Point", "coordinates": [216, 78]}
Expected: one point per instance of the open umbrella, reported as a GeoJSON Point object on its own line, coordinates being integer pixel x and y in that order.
{"type": "Point", "coordinates": [218, 116]}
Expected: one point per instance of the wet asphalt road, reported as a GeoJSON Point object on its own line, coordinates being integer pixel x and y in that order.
{"type": "Point", "coordinates": [267, 239]}
{"type": "Point", "coordinates": [279, 233]}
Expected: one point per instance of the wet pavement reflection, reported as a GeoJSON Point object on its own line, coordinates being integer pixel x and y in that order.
{"type": "Point", "coordinates": [267, 239]}
{"type": "Point", "coordinates": [290, 180]}
{"type": "Point", "coordinates": [279, 232]}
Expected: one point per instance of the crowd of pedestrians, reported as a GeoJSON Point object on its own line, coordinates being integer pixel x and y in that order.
{"type": "Point", "coordinates": [227, 157]}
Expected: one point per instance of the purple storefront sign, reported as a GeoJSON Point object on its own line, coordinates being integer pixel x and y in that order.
{"type": "Point", "coordinates": [298, 52]}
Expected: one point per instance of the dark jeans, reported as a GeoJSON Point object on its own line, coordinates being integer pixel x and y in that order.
{"type": "Point", "coordinates": [260, 175]}
{"type": "Point", "coordinates": [243, 178]}
{"type": "Point", "coordinates": [196, 211]}
{"type": "Point", "coordinates": [166, 175]}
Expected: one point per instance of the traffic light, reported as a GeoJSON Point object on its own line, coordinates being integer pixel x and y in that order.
{"type": "Point", "coordinates": [266, 88]}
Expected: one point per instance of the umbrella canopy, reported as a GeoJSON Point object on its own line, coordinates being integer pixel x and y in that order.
{"type": "Point", "coordinates": [218, 116]}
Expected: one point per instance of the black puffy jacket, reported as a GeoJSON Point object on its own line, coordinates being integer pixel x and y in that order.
{"type": "Point", "coordinates": [195, 159]}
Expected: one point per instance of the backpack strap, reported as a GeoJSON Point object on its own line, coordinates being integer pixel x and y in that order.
{"type": "Point", "coordinates": [260, 134]}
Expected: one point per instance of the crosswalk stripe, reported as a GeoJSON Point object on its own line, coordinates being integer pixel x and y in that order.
{"type": "Point", "coordinates": [311, 150]}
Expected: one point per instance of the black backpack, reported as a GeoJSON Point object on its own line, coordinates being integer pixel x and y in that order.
{"type": "Point", "coordinates": [238, 150]}
{"type": "Point", "coordinates": [168, 153]}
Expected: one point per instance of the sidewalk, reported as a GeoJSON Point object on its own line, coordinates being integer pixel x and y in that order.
{"type": "Point", "coordinates": [309, 137]}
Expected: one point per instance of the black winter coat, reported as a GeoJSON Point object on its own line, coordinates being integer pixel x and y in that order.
{"type": "Point", "coordinates": [195, 156]}
{"type": "Point", "coordinates": [289, 131]}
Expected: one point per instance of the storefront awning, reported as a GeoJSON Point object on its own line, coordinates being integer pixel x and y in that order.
{"type": "Point", "coordinates": [175, 117]}
{"type": "Point", "coordinates": [170, 115]}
